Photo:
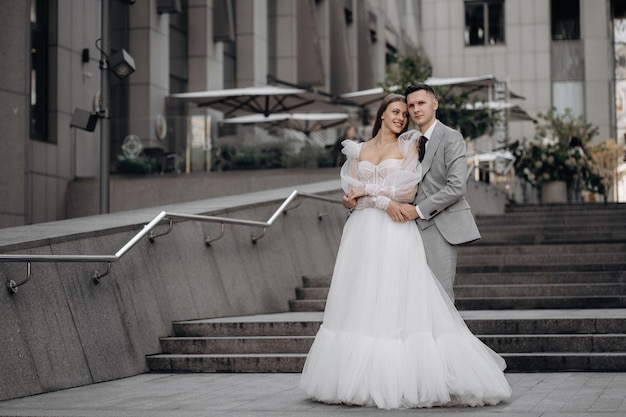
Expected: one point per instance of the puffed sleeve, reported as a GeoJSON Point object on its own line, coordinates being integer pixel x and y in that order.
{"type": "Point", "coordinates": [401, 185]}
{"type": "Point", "coordinates": [350, 177]}
{"type": "Point", "coordinates": [350, 169]}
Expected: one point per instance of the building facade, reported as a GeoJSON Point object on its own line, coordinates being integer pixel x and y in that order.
{"type": "Point", "coordinates": [560, 53]}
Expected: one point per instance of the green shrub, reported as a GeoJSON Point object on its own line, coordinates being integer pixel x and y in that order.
{"type": "Point", "coordinates": [139, 166]}
{"type": "Point", "coordinates": [269, 156]}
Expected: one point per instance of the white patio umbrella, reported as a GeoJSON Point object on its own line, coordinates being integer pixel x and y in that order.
{"type": "Point", "coordinates": [265, 100]}
{"type": "Point", "coordinates": [306, 123]}
{"type": "Point", "coordinates": [514, 112]}
{"type": "Point", "coordinates": [363, 98]}
{"type": "Point", "coordinates": [479, 88]}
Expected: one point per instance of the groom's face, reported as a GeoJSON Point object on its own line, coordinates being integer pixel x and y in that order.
{"type": "Point", "coordinates": [422, 108]}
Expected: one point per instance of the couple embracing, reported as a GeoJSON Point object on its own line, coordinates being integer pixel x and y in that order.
{"type": "Point", "coordinates": [391, 336]}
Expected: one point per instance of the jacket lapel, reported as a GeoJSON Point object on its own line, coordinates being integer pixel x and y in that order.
{"type": "Point", "coordinates": [431, 147]}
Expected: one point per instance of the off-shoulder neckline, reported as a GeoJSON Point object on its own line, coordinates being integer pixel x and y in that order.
{"type": "Point", "coordinates": [381, 162]}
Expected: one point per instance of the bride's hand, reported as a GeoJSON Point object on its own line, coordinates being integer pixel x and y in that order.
{"type": "Point", "coordinates": [356, 193]}
{"type": "Point", "coordinates": [394, 210]}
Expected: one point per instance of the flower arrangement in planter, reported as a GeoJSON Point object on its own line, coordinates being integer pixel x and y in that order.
{"type": "Point", "coordinates": [538, 163]}
{"type": "Point", "coordinates": [552, 158]}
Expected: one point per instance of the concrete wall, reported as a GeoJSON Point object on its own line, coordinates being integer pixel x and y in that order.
{"type": "Point", "coordinates": [14, 114]}
{"type": "Point", "coordinates": [61, 330]}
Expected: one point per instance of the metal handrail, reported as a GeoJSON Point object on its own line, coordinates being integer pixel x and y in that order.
{"type": "Point", "coordinates": [148, 230]}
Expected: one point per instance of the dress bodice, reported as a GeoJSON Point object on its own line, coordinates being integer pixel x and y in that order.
{"type": "Point", "coordinates": [370, 173]}
{"type": "Point", "coordinates": [391, 179]}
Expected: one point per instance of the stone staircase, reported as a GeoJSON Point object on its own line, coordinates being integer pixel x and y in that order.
{"type": "Point", "coordinates": [545, 287]}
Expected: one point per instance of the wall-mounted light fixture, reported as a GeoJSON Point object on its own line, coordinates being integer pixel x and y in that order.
{"type": "Point", "coordinates": [84, 120]}
{"type": "Point", "coordinates": [84, 56]}
{"type": "Point", "coordinates": [121, 63]}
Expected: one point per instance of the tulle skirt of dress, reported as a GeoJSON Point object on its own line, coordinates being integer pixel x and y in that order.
{"type": "Point", "coordinates": [391, 337]}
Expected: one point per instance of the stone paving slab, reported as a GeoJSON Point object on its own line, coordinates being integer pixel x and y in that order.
{"type": "Point", "coordinates": [564, 394]}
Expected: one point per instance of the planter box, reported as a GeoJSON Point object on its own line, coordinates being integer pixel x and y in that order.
{"type": "Point", "coordinates": [554, 192]}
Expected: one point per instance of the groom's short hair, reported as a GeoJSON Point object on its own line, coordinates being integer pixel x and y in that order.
{"type": "Point", "coordinates": [417, 87]}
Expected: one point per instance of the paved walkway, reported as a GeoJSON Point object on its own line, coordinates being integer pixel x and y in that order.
{"type": "Point", "coordinates": [566, 394]}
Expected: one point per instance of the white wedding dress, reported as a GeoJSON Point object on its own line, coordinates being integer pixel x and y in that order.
{"type": "Point", "coordinates": [391, 337]}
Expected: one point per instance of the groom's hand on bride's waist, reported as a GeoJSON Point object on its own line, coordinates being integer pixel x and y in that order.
{"type": "Point", "coordinates": [409, 211]}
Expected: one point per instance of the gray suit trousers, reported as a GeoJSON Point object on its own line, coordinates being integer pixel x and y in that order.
{"type": "Point", "coordinates": [441, 257]}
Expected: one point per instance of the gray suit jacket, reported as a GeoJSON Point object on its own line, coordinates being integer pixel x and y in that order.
{"type": "Point", "coordinates": [440, 194]}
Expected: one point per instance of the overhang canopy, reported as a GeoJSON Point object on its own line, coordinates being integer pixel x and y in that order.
{"type": "Point", "coordinates": [264, 100]}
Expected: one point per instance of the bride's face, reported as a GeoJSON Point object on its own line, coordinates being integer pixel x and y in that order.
{"type": "Point", "coordinates": [395, 117]}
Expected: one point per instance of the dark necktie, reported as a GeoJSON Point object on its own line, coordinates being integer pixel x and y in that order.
{"type": "Point", "coordinates": [421, 147]}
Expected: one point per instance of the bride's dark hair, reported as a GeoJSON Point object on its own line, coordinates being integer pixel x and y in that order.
{"type": "Point", "coordinates": [386, 101]}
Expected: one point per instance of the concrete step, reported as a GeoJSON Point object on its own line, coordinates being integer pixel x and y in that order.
{"type": "Point", "coordinates": [524, 343]}
{"type": "Point", "coordinates": [565, 208]}
{"type": "Point", "coordinates": [504, 303]}
{"type": "Point", "coordinates": [293, 363]}
{"type": "Point", "coordinates": [571, 259]}
{"type": "Point", "coordinates": [501, 290]}
{"type": "Point", "coordinates": [237, 344]}
{"type": "Point", "coordinates": [615, 276]}
{"type": "Point", "coordinates": [297, 325]}
{"type": "Point", "coordinates": [551, 302]}
{"type": "Point", "coordinates": [581, 223]}
{"type": "Point", "coordinates": [595, 248]}
{"type": "Point", "coordinates": [582, 217]}
{"type": "Point", "coordinates": [523, 236]}
{"type": "Point", "coordinates": [315, 293]}
{"type": "Point", "coordinates": [501, 343]}
{"type": "Point", "coordinates": [537, 290]}
{"type": "Point", "coordinates": [486, 322]}
{"type": "Point", "coordinates": [562, 362]}
{"type": "Point", "coordinates": [307, 305]}
{"type": "Point", "coordinates": [316, 281]}
{"type": "Point", "coordinates": [285, 362]}
{"type": "Point", "coordinates": [540, 267]}
{"type": "Point", "coordinates": [547, 277]}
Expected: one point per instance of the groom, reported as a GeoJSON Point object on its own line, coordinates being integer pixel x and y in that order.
{"type": "Point", "coordinates": [442, 214]}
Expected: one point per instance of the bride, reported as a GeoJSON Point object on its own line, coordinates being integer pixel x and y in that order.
{"type": "Point", "coordinates": [391, 337]}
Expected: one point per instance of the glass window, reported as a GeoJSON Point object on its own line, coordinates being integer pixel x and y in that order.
{"type": "Point", "coordinates": [39, 70]}
{"type": "Point", "coordinates": [619, 9]}
{"type": "Point", "coordinates": [484, 22]}
{"type": "Point", "coordinates": [179, 27]}
{"type": "Point", "coordinates": [568, 95]}
{"type": "Point", "coordinates": [565, 19]}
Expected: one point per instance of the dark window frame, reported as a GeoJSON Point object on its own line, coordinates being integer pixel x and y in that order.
{"type": "Point", "coordinates": [565, 20]}
{"type": "Point", "coordinates": [179, 51]}
{"type": "Point", "coordinates": [230, 57]}
{"type": "Point", "coordinates": [39, 88]}
{"type": "Point", "coordinates": [484, 23]}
